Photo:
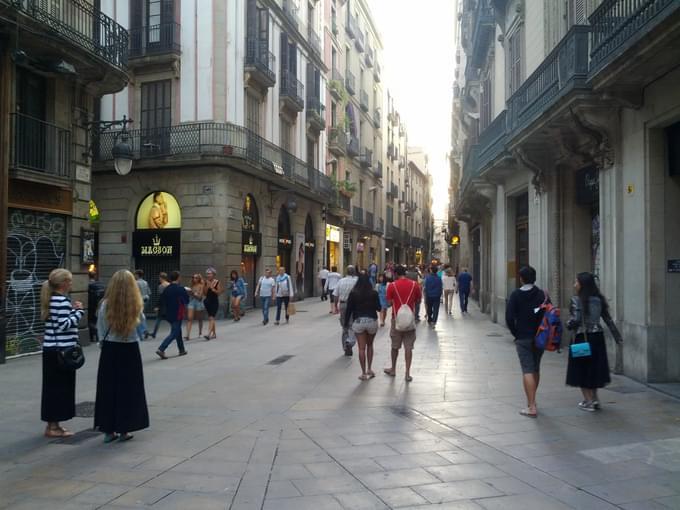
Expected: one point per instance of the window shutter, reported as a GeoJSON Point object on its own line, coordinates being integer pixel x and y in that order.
{"type": "Point", "coordinates": [578, 9]}
{"type": "Point", "coordinates": [167, 11]}
{"type": "Point", "coordinates": [251, 18]}
{"type": "Point", "coordinates": [284, 53]}
{"type": "Point", "coordinates": [263, 28]}
{"type": "Point", "coordinates": [136, 13]}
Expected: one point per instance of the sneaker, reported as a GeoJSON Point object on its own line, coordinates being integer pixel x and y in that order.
{"type": "Point", "coordinates": [596, 404]}
{"type": "Point", "coordinates": [277, 323]}
{"type": "Point", "coordinates": [586, 406]}
{"type": "Point", "coordinates": [183, 353]}
{"type": "Point", "coordinates": [161, 354]}
{"type": "Point", "coordinates": [348, 351]}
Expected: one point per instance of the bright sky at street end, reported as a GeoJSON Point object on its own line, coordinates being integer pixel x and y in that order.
{"type": "Point", "coordinates": [418, 68]}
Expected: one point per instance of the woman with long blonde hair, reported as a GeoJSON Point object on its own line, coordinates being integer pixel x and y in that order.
{"type": "Point", "coordinates": [120, 406]}
{"type": "Point", "coordinates": [61, 332]}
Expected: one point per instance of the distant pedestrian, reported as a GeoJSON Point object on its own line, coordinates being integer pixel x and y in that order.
{"type": "Point", "coordinates": [373, 273]}
{"type": "Point", "coordinates": [464, 288]}
{"type": "Point", "coordinates": [145, 290]}
{"type": "Point", "coordinates": [341, 293]}
{"type": "Point", "coordinates": [381, 287]}
{"type": "Point", "coordinates": [590, 372]}
{"type": "Point", "coordinates": [196, 307]}
{"type": "Point", "coordinates": [402, 292]}
{"type": "Point", "coordinates": [238, 294]}
{"type": "Point", "coordinates": [361, 315]}
{"type": "Point", "coordinates": [523, 316]}
{"type": "Point", "coordinates": [266, 289]}
{"type": "Point", "coordinates": [433, 295]}
{"type": "Point", "coordinates": [175, 299]}
{"type": "Point", "coordinates": [95, 293]}
{"type": "Point", "coordinates": [120, 405]}
{"type": "Point", "coordinates": [332, 282]}
{"type": "Point", "coordinates": [414, 274]}
{"type": "Point", "coordinates": [160, 306]}
{"type": "Point", "coordinates": [213, 289]}
{"type": "Point", "coordinates": [323, 276]}
{"type": "Point", "coordinates": [284, 291]}
{"type": "Point", "coordinates": [450, 287]}
{"type": "Point", "coordinates": [58, 401]}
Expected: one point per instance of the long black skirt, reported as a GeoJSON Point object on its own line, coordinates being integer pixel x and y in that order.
{"type": "Point", "coordinates": [121, 401]}
{"type": "Point", "coordinates": [58, 402]}
{"type": "Point", "coordinates": [589, 371]}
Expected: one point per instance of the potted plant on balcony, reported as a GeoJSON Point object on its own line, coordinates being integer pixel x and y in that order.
{"type": "Point", "coordinates": [347, 188]}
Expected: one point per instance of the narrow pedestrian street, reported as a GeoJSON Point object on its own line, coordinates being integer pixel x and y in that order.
{"type": "Point", "coordinates": [275, 418]}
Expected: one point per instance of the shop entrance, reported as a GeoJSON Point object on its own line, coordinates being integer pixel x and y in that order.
{"type": "Point", "coordinates": [251, 241]}
{"type": "Point", "coordinates": [332, 246]}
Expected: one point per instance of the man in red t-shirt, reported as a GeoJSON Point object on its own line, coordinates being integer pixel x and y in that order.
{"type": "Point", "coordinates": [402, 291]}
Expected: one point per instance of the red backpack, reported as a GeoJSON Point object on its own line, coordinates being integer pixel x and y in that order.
{"type": "Point", "coordinates": [549, 333]}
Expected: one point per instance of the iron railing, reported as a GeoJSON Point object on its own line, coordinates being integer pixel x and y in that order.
{"type": "Point", "coordinates": [618, 24]}
{"type": "Point", "coordinates": [155, 40]}
{"type": "Point", "coordinates": [259, 57]}
{"type": "Point", "coordinates": [316, 112]}
{"type": "Point", "coordinates": [351, 27]}
{"type": "Point", "coordinates": [492, 140]}
{"type": "Point", "coordinates": [380, 226]}
{"type": "Point", "coordinates": [350, 82]}
{"type": "Point", "coordinates": [376, 72]}
{"type": "Point", "coordinates": [290, 10]}
{"type": "Point", "coordinates": [40, 146]}
{"type": "Point", "coordinates": [218, 139]}
{"type": "Point", "coordinates": [368, 220]}
{"type": "Point", "coordinates": [394, 190]}
{"type": "Point", "coordinates": [360, 40]}
{"type": "Point", "coordinates": [357, 215]}
{"type": "Point", "coordinates": [344, 202]}
{"type": "Point", "coordinates": [366, 159]}
{"type": "Point", "coordinates": [81, 24]}
{"type": "Point", "coordinates": [485, 23]}
{"type": "Point", "coordinates": [337, 141]}
{"type": "Point", "coordinates": [369, 57]}
{"type": "Point", "coordinates": [377, 118]}
{"type": "Point", "coordinates": [353, 146]}
{"type": "Point", "coordinates": [292, 88]}
{"type": "Point", "coordinates": [378, 170]}
{"type": "Point", "coordinates": [363, 100]}
{"type": "Point", "coordinates": [470, 168]}
{"type": "Point", "coordinates": [314, 40]}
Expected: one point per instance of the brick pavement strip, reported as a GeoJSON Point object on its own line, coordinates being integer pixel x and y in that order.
{"type": "Point", "coordinates": [230, 431]}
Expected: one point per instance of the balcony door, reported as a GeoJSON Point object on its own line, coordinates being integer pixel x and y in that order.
{"type": "Point", "coordinates": [30, 131]}
{"type": "Point", "coordinates": [154, 20]}
{"type": "Point", "coordinates": [156, 115]}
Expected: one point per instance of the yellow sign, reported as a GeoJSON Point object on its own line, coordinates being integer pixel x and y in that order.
{"type": "Point", "coordinates": [159, 210]}
{"type": "Point", "coordinates": [332, 233]}
{"type": "Point", "coordinates": [455, 241]}
{"type": "Point", "coordinates": [156, 248]}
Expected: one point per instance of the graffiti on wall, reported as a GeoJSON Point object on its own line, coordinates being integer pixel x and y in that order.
{"type": "Point", "coordinates": [36, 244]}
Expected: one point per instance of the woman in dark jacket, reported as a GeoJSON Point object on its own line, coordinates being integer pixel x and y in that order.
{"type": "Point", "coordinates": [591, 372]}
{"type": "Point", "coordinates": [363, 305]}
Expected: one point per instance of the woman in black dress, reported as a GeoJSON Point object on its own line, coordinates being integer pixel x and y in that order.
{"type": "Point", "coordinates": [213, 289]}
{"type": "Point", "coordinates": [591, 372]}
{"type": "Point", "coordinates": [120, 406]}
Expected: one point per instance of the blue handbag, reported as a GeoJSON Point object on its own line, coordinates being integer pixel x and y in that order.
{"type": "Point", "coordinates": [580, 350]}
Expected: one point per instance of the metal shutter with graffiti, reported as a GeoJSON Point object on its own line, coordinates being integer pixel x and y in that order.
{"type": "Point", "coordinates": [36, 244]}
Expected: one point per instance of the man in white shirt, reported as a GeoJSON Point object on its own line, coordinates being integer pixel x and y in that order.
{"type": "Point", "coordinates": [266, 290]}
{"type": "Point", "coordinates": [323, 276]}
{"type": "Point", "coordinates": [450, 287]}
{"type": "Point", "coordinates": [341, 292]}
{"type": "Point", "coordinates": [331, 282]}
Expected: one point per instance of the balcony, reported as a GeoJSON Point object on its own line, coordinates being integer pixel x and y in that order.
{"type": "Point", "coordinates": [391, 152]}
{"type": "Point", "coordinates": [618, 25]}
{"type": "Point", "coordinates": [350, 83]}
{"type": "Point", "coordinates": [335, 86]}
{"type": "Point", "coordinates": [290, 11]}
{"type": "Point", "coordinates": [363, 100]}
{"type": "Point", "coordinates": [393, 191]}
{"type": "Point", "coordinates": [40, 147]}
{"type": "Point", "coordinates": [491, 141]}
{"type": "Point", "coordinates": [379, 227]}
{"type": "Point", "coordinates": [337, 141]}
{"type": "Point", "coordinates": [376, 72]}
{"type": "Point", "coordinates": [236, 146]}
{"type": "Point", "coordinates": [259, 64]}
{"type": "Point", "coordinates": [369, 222]}
{"type": "Point", "coordinates": [564, 70]}
{"type": "Point", "coordinates": [352, 26]}
{"type": "Point", "coordinates": [340, 205]}
{"type": "Point", "coordinates": [334, 25]}
{"type": "Point", "coordinates": [316, 114]}
{"type": "Point", "coordinates": [377, 118]}
{"type": "Point", "coordinates": [366, 159]}
{"type": "Point", "coordinates": [369, 57]}
{"type": "Point", "coordinates": [360, 41]}
{"type": "Point", "coordinates": [292, 91]}
{"type": "Point", "coordinates": [353, 146]}
{"type": "Point", "coordinates": [357, 215]}
{"type": "Point", "coordinates": [73, 30]}
{"type": "Point", "coordinates": [378, 170]}
{"type": "Point", "coordinates": [155, 44]}
{"type": "Point", "coordinates": [482, 35]}
{"type": "Point", "coordinates": [314, 41]}
{"type": "Point", "coordinates": [402, 162]}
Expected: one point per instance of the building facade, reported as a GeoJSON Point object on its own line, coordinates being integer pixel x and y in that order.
{"type": "Point", "coordinates": [56, 59]}
{"type": "Point", "coordinates": [570, 160]}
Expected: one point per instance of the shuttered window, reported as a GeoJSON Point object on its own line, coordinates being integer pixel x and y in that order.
{"type": "Point", "coordinates": [515, 44]}
{"type": "Point", "coordinates": [36, 244]}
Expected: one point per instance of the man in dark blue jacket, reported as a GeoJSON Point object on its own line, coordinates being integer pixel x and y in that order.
{"type": "Point", "coordinates": [433, 295]}
{"type": "Point", "coordinates": [464, 288]}
{"type": "Point", "coordinates": [175, 299]}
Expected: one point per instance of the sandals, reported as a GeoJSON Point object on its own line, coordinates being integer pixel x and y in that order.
{"type": "Point", "coordinates": [389, 371]}
{"type": "Point", "coordinates": [126, 437]}
{"type": "Point", "coordinates": [408, 378]}
{"type": "Point", "coordinates": [371, 374]}
{"type": "Point", "coordinates": [364, 377]}
{"type": "Point", "coordinates": [527, 412]}
{"type": "Point", "coordinates": [58, 432]}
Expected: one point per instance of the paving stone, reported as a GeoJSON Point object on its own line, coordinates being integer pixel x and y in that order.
{"type": "Point", "coordinates": [303, 503]}
{"type": "Point", "coordinates": [452, 491]}
{"type": "Point", "coordinates": [397, 478]}
{"type": "Point", "coordinates": [400, 497]}
{"type": "Point", "coordinates": [290, 472]}
{"type": "Point", "coordinates": [465, 472]}
{"type": "Point", "coordinates": [522, 502]}
{"type": "Point", "coordinates": [141, 496]}
{"type": "Point", "coordinates": [194, 483]}
{"type": "Point", "coordinates": [101, 493]}
{"type": "Point", "coordinates": [363, 500]}
{"type": "Point", "coordinates": [629, 491]}
{"type": "Point", "coordinates": [411, 460]}
{"type": "Point", "coordinates": [182, 500]}
{"type": "Point", "coordinates": [282, 489]}
{"type": "Point", "coordinates": [331, 485]}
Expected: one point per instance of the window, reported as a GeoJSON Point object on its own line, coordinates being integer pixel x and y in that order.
{"type": "Point", "coordinates": [334, 114]}
{"type": "Point", "coordinates": [156, 115]}
{"type": "Point", "coordinates": [577, 12]}
{"type": "Point", "coordinates": [286, 132]}
{"type": "Point", "coordinates": [485, 105]}
{"type": "Point", "coordinates": [253, 114]}
{"type": "Point", "coordinates": [515, 44]}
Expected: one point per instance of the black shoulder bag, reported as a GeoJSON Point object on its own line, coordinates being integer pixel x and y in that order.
{"type": "Point", "coordinates": [69, 358]}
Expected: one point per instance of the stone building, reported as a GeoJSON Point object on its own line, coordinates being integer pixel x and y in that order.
{"type": "Point", "coordinates": [56, 58]}
{"type": "Point", "coordinates": [571, 163]}
{"type": "Point", "coordinates": [417, 207]}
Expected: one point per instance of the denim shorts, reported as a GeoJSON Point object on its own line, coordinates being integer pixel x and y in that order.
{"type": "Point", "coordinates": [365, 325]}
{"type": "Point", "coordinates": [196, 305]}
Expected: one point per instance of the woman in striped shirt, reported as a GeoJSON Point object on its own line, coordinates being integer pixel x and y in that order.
{"type": "Point", "coordinates": [61, 331]}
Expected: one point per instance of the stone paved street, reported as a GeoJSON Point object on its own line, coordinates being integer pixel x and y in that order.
{"type": "Point", "coordinates": [231, 430]}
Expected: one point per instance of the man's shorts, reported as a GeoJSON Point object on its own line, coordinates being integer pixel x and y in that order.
{"type": "Point", "coordinates": [399, 338]}
{"type": "Point", "coordinates": [365, 325]}
{"type": "Point", "coordinates": [529, 356]}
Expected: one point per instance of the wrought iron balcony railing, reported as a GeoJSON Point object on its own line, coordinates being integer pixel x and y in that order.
{"type": "Point", "coordinates": [316, 113]}
{"type": "Point", "coordinates": [369, 222]}
{"type": "Point", "coordinates": [293, 89]}
{"type": "Point", "coordinates": [353, 146]}
{"type": "Point", "coordinates": [394, 190]}
{"type": "Point", "coordinates": [366, 159]}
{"type": "Point", "coordinates": [482, 34]}
{"type": "Point", "coordinates": [314, 40]}
{"type": "Point", "coordinates": [360, 40]}
{"type": "Point", "coordinates": [357, 215]}
{"type": "Point", "coordinates": [40, 146]}
{"type": "Point", "coordinates": [618, 24]}
{"type": "Point", "coordinates": [376, 72]}
{"type": "Point", "coordinates": [81, 24]}
{"type": "Point", "coordinates": [378, 170]}
{"type": "Point", "coordinates": [260, 61]}
{"type": "Point", "coordinates": [290, 10]}
{"type": "Point", "coordinates": [350, 82]}
{"type": "Point", "coordinates": [377, 118]}
{"type": "Point", "coordinates": [363, 100]}
{"type": "Point", "coordinates": [352, 26]}
{"type": "Point", "coordinates": [155, 40]}
{"type": "Point", "coordinates": [219, 139]}
{"type": "Point", "coordinates": [380, 226]}
{"type": "Point", "coordinates": [370, 56]}
{"type": "Point", "coordinates": [337, 141]}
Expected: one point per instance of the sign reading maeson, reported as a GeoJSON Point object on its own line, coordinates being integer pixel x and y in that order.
{"type": "Point", "coordinates": [156, 243]}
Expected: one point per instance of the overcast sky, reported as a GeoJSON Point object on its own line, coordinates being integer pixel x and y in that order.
{"type": "Point", "coordinates": [418, 69]}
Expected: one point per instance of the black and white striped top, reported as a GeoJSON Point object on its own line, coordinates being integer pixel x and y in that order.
{"type": "Point", "coordinates": [61, 326]}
